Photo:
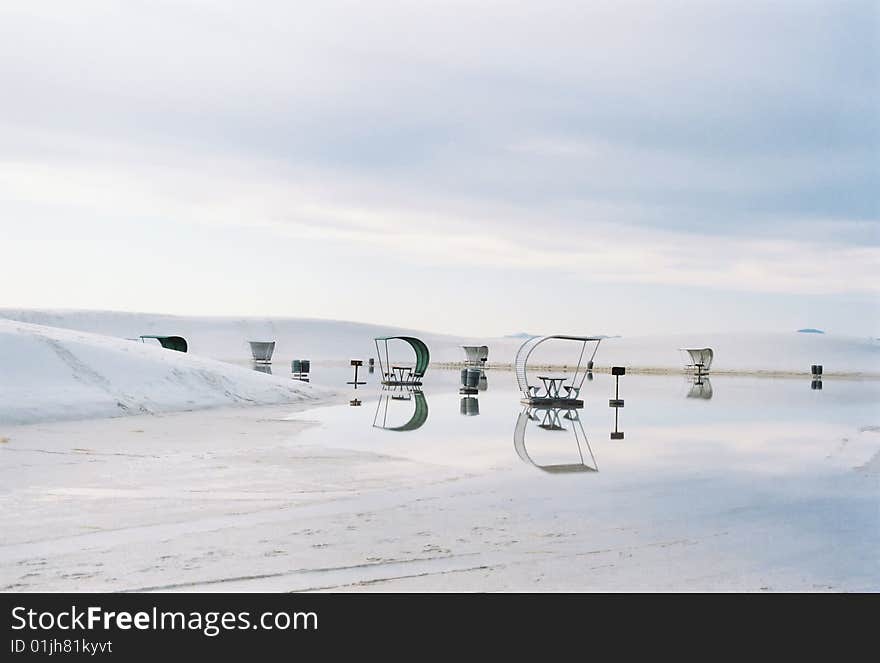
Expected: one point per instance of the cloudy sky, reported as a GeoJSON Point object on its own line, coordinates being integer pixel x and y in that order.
{"type": "Point", "coordinates": [469, 167]}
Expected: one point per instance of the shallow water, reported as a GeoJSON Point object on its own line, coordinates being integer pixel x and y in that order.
{"type": "Point", "coordinates": [756, 423]}
{"type": "Point", "coordinates": [785, 476]}
{"type": "Point", "coordinates": [767, 485]}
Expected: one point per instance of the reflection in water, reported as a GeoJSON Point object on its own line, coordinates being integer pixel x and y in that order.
{"type": "Point", "coordinates": [470, 406]}
{"type": "Point", "coordinates": [473, 381]}
{"type": "Point", "coordinates": [470, 380]}
{"type": "Point", "coordinates": [393, 399]}
{"type": "Point", "coordinates": [555, 420]}
{"type": "Point", "coordinates": [616, 434]}
{"type": "Point", "coordinates": [701, 387]}
{"type": "Point", "coordinates": [684, 473]}
{"type": "Point", "coordinates": [263, 368]}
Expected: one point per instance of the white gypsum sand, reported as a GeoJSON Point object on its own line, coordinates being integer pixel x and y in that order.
{"type": "Point", "coordinates": [270, 498]}
{"type": "Point", "coordinates": [49, 373]}
{"type": "Point", "coordinates": [226, 338]}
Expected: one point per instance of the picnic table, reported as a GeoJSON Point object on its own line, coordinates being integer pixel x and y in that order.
{"type": "Point", "coordinates": [401, 372]}
{"type": "Point", "coordinates": [552, 385]}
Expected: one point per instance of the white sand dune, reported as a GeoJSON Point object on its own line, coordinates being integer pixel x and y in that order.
{"type": "Point", "coordinates": [50, 374]}
{"type": "Point", "coordinates": [225, 338]}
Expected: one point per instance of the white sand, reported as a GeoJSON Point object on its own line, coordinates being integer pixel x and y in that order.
{"type": "Point", "coordinates": [50, 373]}
{"type": "Point", "coordinates": [232, 499]}
{"type": "Point", "coordinates": [226, 339]}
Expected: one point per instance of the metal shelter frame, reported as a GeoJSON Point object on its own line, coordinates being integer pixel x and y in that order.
{"type": "Point", "coordinates": [531, 392]}
{"type": "Point", "coordinates": [700, 359]}
{"type": "Point", "coordinates": [475, 355]}
{"type": "Point", "coordinates": [412, 377]}
{"type": "Point", "coordinates": [262, 351]}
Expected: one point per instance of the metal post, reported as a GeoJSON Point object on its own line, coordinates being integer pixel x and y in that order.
{"type": "Point", "coordinates": [617, 401]}
{"type": "Point", "coordinates": [357, 363]}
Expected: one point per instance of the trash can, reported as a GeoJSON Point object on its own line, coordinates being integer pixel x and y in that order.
{"type": "Point", "coordinates": [471, 378]}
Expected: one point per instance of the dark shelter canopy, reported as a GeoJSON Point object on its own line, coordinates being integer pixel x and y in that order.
{"type": "Point", "coordinates": [418, 346]}
{"type": "Point", "coordinates": [171, 342]}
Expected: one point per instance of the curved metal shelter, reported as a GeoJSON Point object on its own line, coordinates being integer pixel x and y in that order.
{"type": "Point", "coordinates": [403, 375]}
{"type": "Point", "coordinates": [262, 351]}
{"type": "Point", "coordinates": [551, 419]}
{"type": "Point", "coordinates": [699, 359]}
{"type": "Point", "coordinates": [571, 387]}
{"type": "Point", "coordinates": [419, 415]}
{"type": "Point", "coordinates": [170, 342]}
{"type": "Point", "coordinates": [475, 355]}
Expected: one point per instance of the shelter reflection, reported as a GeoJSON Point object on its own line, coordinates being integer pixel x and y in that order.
{"type": "Point", "coordinates": [556, 421]}
{"type": "Point", "coordinates": [701, 387]}
{"type": "Point", "coordinates": [396, 403]}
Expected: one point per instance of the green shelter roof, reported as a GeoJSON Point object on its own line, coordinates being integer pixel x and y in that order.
{"type": "Point", "coordinates": [423, 356]}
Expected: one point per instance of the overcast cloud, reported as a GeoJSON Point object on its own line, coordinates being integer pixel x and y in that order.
{"type": "Point", "coordinates": [437, 164]}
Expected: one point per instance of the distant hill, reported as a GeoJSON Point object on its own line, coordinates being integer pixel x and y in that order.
{"type": "Point", "coordinates": [225, 338]}
{"type": "Point", "coordinates": [810, 330]}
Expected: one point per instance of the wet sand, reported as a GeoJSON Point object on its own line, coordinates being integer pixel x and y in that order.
{"type": "Point", "coordinates": [275, 499]}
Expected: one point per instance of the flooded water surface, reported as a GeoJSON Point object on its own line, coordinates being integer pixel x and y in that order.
{"type": "Point", "coordinates": [717, 484]}
{"type": "Point", "coordinates": [773, 472]}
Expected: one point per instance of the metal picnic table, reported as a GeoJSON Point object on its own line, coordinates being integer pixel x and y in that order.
{"type": "Point", "coordinates": [552, 384]}
{"type": "Point", "coordinates": [401, 372]}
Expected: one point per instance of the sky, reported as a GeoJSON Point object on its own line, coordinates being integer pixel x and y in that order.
{"type": "Point", "coordinates": [479, 168]}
